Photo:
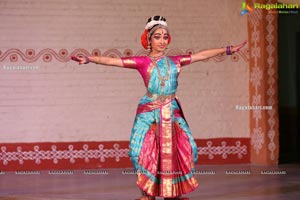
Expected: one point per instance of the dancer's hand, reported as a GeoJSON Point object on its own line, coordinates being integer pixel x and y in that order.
{"type": "Point", "coordinates": [80, 60]}
{"type": "Point", "coordinates": [238, 47]}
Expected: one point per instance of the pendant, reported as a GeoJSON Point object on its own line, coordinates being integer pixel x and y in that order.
{"type": "Point", "coordinates": [162, 98]}
{"type": "Point", "coordinates": [162, 83]}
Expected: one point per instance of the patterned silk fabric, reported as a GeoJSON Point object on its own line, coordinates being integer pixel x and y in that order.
{"type": "Point", "coordinates": [162, 148]}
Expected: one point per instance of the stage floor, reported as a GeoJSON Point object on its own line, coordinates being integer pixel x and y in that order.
{"type": "Point", "coordinates": [216, 182]}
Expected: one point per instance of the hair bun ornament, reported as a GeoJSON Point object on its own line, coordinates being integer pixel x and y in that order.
{"type": "Point", "coordinates": [156, 20]}
{"type": "Point", "coordinates": [144, 39]}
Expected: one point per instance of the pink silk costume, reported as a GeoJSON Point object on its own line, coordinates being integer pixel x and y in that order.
{"type": "Point", "coordinates": [162, 148]}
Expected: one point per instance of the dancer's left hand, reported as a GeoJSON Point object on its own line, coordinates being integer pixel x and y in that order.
{"type": "Point", "coordinates": [238, 47]}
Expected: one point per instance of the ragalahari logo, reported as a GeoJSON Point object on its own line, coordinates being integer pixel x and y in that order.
{"type": "Point", "coordinates": [246, 8]}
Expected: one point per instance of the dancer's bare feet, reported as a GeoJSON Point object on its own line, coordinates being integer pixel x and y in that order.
{"type": "Point", "coordinates": [146, 197]}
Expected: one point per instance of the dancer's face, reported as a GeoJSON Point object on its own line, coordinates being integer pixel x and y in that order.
{"type": "Point", "coordinates": [159, 40]}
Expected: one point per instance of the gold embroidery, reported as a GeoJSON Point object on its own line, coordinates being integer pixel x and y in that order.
{"type": "Point", "coordinates": [185, 60]}
{"type": "Point", "coordinates": [178, 68]}
{"type": "Point", "coordinates": [129, 63]}
{"type": "Point", "coordinates": [149, 72]}
{"type": "Point", "coordinates": [166, 150]}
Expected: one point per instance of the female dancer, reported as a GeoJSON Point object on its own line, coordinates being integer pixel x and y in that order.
{"type": "Point", "coordinates": [162, 148]}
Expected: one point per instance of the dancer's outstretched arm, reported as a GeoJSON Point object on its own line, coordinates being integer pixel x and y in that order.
{"type": "Point", "coordinates": [117, 62]}
{"type": "Point", "coordinates": [209, 53]}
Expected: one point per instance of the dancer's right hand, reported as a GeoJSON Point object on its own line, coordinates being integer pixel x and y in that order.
{"type": "Point", "coordinates": [80, 60]}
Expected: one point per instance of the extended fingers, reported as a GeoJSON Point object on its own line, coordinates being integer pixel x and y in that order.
{"type": "Point", "coordinates": [80, 60]}
{"type": "Point", "coordinates": [238, 47]}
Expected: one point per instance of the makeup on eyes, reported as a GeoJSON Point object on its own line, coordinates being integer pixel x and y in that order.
{"type": "Point", "coordinates": [157, 36]}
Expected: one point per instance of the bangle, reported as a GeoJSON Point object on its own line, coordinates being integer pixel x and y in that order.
{"type": "Point", "coordinates": [228, 50]}
{"type": "Point", "coordinates": [87, 60]}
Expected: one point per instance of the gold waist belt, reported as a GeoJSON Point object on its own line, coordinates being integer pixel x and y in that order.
{"type": "Point", "coordinates": [161, 97]}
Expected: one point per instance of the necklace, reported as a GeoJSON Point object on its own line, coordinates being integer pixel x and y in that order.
{"type": "Point", "coordinates": [155, 57]}
{"type": "Point", "coordinates": [163, 79]}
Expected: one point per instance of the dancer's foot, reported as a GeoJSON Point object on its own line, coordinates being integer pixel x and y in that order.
{"type": "Point", "coordinates": [146, 197]}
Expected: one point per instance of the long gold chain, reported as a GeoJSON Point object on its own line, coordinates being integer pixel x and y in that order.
{"type": "Point", "coordinates": [163, 79]}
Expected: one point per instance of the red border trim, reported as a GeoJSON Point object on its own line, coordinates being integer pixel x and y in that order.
{"type": "Point", "coordinates": [112, 154]}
